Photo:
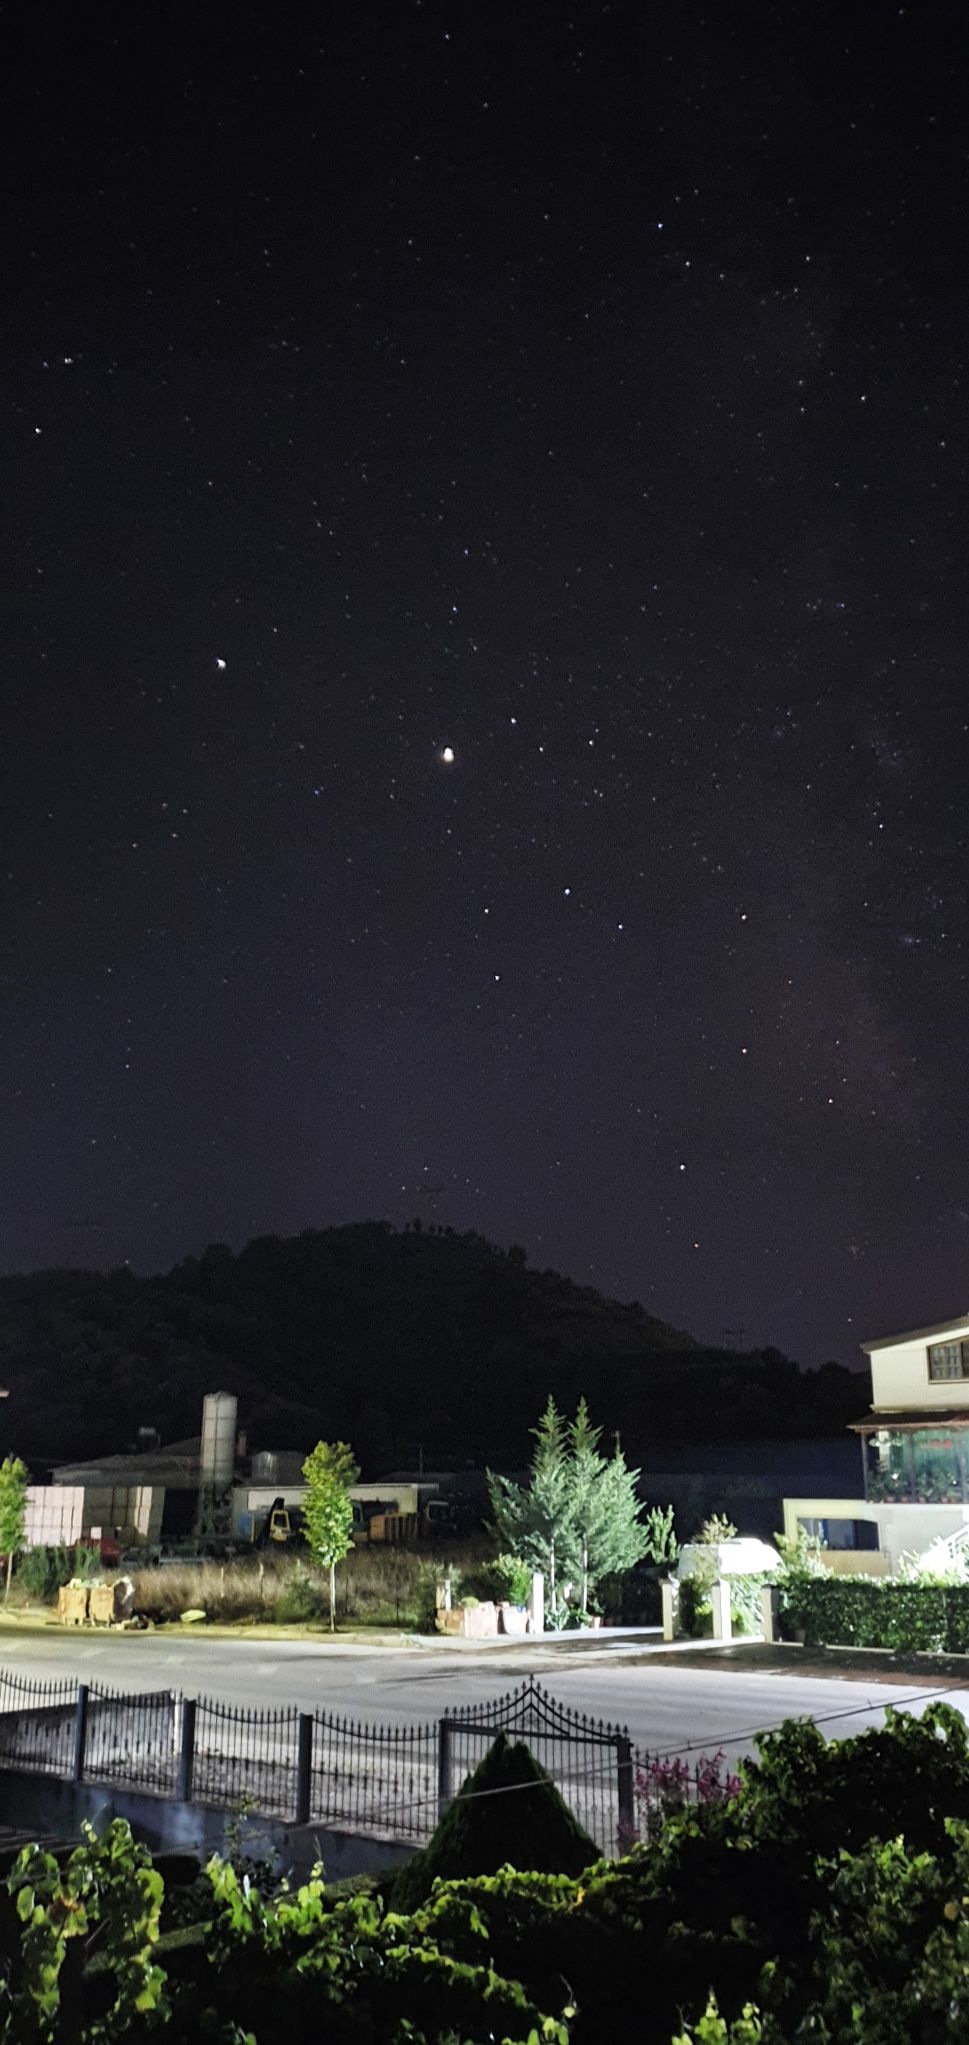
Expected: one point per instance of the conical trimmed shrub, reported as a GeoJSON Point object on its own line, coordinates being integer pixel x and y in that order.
{"type": "Point", "coordinates": [524, 1824]}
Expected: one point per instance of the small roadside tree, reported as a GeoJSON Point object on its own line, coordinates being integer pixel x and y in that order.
{"type": "Point", "coordinates": [14, 1478]}
{"type": "Point", "coordinates": [329, 1470]}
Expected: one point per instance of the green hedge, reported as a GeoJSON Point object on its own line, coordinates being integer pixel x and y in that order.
{"type": "Point", "coordinates": [869, 1612]}
{"type": "Point", "coordinates": [957, 1606]}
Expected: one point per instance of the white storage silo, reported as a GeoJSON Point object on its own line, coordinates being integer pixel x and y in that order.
{"type": "Point", "coordinates": [217, 1461]}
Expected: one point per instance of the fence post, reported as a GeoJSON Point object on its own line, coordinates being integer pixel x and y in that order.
{"type": "Point", "coordinates": [624, 1784]}
{"type": "Point", "coordinates": [769, 1605]}
{"type": "Point", "coordinates": [443, 1766]}
{"type": "Point", "coordinates": [670, 1594]}
{"type": "Point", "coordinates": [304, 1767]}
{"type": "Point", "coordinates": [720, 1600]}
{"type": "Point", "coordinates": [80, 1732]}
{"type": "Point", "coordinates": [186, 1752]}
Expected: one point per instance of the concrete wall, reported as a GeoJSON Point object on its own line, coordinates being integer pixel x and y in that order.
{"type": "Point", "coordinates": [798, 1509]}
{"type": "Point", "coordinates": [58, 1515]}
{"type": "Point", "coordinates": [41, 1804]}
{"type": "Point", "coordinates": [55, 1515]}
{"type": "Point", "coordinates": [900, 1375]}
{"type": "Point", "coordinates": [857, 1562]}
{"type": "Point", "coordinates": [131, 1509]}
{"type": "Point", "coordinates": [902, 1529]}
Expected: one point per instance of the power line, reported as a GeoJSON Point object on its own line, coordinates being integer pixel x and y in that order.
{"type": "Point", "coordinates": [718, 1743]}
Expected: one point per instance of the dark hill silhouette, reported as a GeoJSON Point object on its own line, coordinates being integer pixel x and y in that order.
{"type": "Point", "coordinates": [397, 1340]}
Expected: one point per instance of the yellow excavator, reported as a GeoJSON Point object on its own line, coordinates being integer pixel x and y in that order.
{"type": "Point", "coordinates": [280, 1527]}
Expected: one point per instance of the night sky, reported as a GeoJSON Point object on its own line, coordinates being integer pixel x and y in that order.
{"type": "Point", "coordinates": [485, 729]}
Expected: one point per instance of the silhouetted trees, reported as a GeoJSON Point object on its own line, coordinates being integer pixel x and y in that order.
{"type": "Point", "coordinates": [404, 1341]}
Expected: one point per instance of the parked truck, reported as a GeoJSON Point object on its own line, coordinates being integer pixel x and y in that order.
{"type": "Point", "coordinates": [388, 1525]}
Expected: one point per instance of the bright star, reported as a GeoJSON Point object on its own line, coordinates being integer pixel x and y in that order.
{"type": "Point", "coordinates": [447, 755]}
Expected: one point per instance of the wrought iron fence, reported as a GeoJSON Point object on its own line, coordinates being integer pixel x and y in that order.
{"type": "Point", "coordinates": [133, 1738]}
{"type": "Point", "coordinates": [340, 1772]}
{"type": "Point", "coordinates": [37, 1722]}
{"type": "Point", "coordinates": [589, 1760]}
{"type": "Point", "coordinates": [245, 1758]}
{"type": "Point", "coordinates": [374, 1778]}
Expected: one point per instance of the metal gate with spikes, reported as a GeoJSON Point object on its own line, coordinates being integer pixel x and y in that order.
{"type": "Point", "coordinates": [589, 1760]}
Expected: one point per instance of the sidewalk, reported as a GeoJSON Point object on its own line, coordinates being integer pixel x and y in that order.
{"type": "Point", "coordinates": [816, 1664]}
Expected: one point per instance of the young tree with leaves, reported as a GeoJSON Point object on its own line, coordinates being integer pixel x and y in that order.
{"type": "Point", "coordinates": [14, 1479]}
{"type": "Point", "coordinates": [330, 1469]}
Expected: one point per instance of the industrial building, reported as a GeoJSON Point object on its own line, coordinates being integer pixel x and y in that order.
{"type": "Point", "coordinates": [205, 1488]}
{"type": "Point", "coordinates": [146, 1494]}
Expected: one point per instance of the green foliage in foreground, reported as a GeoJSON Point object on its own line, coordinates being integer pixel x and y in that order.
{"type": "Point", "coordinates": [826, 1904]}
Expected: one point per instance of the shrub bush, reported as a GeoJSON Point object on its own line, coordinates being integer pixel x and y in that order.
{"type": "Point", "coordinates": [695, 1609]}
{"type": "Point", "coordinates": [425, 1614]}
{"type": "Point", "coordinates": [957, 1615]}
{"type": "Point", "coordinates": [869, 1612]}
{"type": "Point", "coordinates": [508, 1580]}
{"type": "Point", "coordinates": [745, 1611]}
{"type": "Point", "coordinates": [40, 1572]}
{"type": "Point", "coordinates": [508, 1809]}
{"type": "Point", "coordinates": [302, 1597]}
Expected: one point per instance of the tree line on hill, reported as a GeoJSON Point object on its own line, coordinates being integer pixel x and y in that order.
{"type": "Point", "coordinates": [410, 1342]}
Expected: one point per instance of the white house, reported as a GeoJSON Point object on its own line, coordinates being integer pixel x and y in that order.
{"type": "Point", "coordinates": [914, 1447]}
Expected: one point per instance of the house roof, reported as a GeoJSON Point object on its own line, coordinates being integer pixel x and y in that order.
{"type": "Point", "coordinates": [907, 1421]}
{"type": "Point", "coordinates": [176, 1466]}
{"type": "Point", "coordinates": [916, 1334]}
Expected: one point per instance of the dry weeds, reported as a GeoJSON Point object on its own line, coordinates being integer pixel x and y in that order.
{"type": "Point", "coordinates": [375, 1586]}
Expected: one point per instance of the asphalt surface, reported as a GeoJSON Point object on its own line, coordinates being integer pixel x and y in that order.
{"type": "Point", "coordinates": [669, 1705]}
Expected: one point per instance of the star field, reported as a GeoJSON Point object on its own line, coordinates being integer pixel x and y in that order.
{"type": "Point", "coordinates": [484, 702]}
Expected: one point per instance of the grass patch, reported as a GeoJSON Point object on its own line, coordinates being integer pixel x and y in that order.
{"type": "Point", "coordinates": [376, 1587]}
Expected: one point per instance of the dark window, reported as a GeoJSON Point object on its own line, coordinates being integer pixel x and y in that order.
{"type": "Point", "coordinates": [948, 1360]}
{"type": "Point", "coordinates": [843, 1533]}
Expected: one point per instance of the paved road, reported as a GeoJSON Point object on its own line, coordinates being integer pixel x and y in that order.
{"type": "Point", "coordinates": [666, 1705]}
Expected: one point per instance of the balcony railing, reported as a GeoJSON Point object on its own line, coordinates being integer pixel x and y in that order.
{"type": "Point", "coordinates": [882, 1487]}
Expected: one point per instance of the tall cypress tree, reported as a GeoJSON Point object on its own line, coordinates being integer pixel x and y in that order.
{"type": "Point", "coordinates": [535, 1520]}
{"type": "Point", "coordinates": [578, 1517]}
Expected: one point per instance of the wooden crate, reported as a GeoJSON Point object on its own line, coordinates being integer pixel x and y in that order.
{"type": "Point", "coordinates": [72, 1603]}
